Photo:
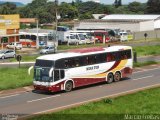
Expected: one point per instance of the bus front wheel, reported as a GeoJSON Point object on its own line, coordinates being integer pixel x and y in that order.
{"type": "Point", "coordinates": [110, 78]}
{"type": "Point", "coordinates": [68, 86]}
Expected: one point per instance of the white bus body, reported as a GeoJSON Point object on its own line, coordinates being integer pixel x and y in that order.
{"type": "Point", "coordinates": [64, 71]}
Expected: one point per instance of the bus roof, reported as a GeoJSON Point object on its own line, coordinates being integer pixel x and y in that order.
{"type": "Point", "coordinates": [84, 51]}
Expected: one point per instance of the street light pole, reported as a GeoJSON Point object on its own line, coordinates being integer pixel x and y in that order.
{"type": "Point", "coordinates": [56, 20]}
{"type": "Point", "coordinates": [37, 38]}
{"type": "Point", "coordinates": [15, 31]}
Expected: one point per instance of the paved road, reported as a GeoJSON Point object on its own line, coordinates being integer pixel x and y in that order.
{"type": "Point", "coordinates": [35, 102]}
{"type": "Point", "coordinates": [16, 64]}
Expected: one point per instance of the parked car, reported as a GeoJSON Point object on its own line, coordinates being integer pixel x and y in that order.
{"type": "Point", "coordinates": [123, 36]}
{"type": "Point", "coordinates": [48, 49]}
{"type": "Point", "coordinates": [13, 45]}
{"type": "Point", "coordinates": [7, 54]}
{"type": "Point", "coordinates": [80, 37]}
{"type": "Point", "coordinates": [72, 39]}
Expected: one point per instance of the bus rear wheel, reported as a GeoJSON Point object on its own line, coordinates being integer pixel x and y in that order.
{"type": "Point", "coordinates": [69, 86]}
{"type": "Point", "coordinates": [117, 76]}
{"type": "Point", "coordinates": [110, 78]}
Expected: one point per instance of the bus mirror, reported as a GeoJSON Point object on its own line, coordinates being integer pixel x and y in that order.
{"type": "Point", "coordinates": [50, 72]}
{"type": "Point", "coordinates": [29, 70]}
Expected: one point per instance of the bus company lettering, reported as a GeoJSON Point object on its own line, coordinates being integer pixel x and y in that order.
{"type": "Point", "coordinates": [92, 68]}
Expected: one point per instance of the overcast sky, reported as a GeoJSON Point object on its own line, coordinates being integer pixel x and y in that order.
{"type": "Point", "coordinates": [102, 1]}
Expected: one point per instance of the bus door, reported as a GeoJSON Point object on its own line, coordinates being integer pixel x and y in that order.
{"type": "Point", "coordinates": [58, 74]}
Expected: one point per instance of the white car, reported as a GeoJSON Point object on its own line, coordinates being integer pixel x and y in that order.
{"type": "Point", "coordinates": [7, 54]}
{"type": "Point", "coordinates": [123, 36]}
{"type": "Point", "coordinates": [72, 39]}
{"type": "Point", "coordinates": [13, 45]}
{"type": "Point", "coordinates": [48, 50]}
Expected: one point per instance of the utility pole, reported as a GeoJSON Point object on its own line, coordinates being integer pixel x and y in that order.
{"type": "Point", "coordinates": [37, 39]}
{"type": "Point", "coordinates": [56, 20]}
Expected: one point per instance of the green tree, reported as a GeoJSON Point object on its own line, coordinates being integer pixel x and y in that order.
{"type": "Point", "coordinates": [91, 7]}
{"type": "Point", "coordinates": [86, 16]}
{"type": "Point", "coordinates": [86, 9]}
{"type": "Point", "coordinates": [8, 8]}
{"type": "Point", "coordinates": [41, 9]}
{"type": "Point", "coordinates": [67, 11]}
{"type": "Point", "coordinates": [153, 6]}
{"type": "Point", "coordinates": [136, 7]}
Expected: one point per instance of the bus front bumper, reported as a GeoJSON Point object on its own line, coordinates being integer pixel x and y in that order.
{"type": "Point", "coordinates": [53, 88]}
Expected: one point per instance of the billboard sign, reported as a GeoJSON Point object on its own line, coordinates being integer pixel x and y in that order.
{"type": "Point", "coordinates": [9, 21]}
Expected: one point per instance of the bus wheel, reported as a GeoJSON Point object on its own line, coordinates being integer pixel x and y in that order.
{"type": "Point", "coordinates": [117, 76]}
{"type": "Point", "coordinates": [68, 86]}
{"type": "Point", "coordinates": [110, 78]}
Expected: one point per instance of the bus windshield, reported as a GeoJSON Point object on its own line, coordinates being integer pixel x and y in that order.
{"type": "Point", "coordinates": [41, 70]}
{"type": "Point", "coordinates": [42, 74]}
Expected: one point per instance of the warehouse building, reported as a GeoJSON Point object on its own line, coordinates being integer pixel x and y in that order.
{"type": "Point", "coordinates": [133, 23]}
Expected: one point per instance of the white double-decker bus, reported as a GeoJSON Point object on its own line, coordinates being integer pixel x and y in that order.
{"type": "Point", "coordinates": [80, 67]}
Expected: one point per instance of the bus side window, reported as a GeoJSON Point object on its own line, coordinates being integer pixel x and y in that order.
{"type": "Point", "coordinates": [77, 62]}
{"type": "Point", "coordinates": [128, 53]}
{"type": "Point", "coordinates": [124, 55]}
{"type": "Point", "coordinates": [101, 58]}
{"type": "Point", "coordinates": [83, 61]}
{"type": "Point", "coordinates": [90, 60]}
{"type": "Point", "coordinates": [71, 63]}
{"type": "Point", "coordinates": [56, 75]}
{"type": "Point", "coordinates": [109, 57]}
{"type": "Point", "coordinates": [66, 63]}
{"type": "Point", "coordinates": [86, 60]}
{"type": "Point", "coordinates": [95, 58]}
{"type": "Point", "coordinates": [62, 74]}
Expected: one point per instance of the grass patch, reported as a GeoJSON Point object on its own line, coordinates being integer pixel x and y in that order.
{"type": "Point", "coordinates": [147, 50]}
{"type": "Point", "coordinates": [25, 58]}
{"type": "Point", "coordinates": [140, 64]}
{"type": "Point", "coordinates": [140, 103]}
{"type": "Point", "coordinates": [66, 47]}
{"type": "Point", "coordinates": [14, 77]}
